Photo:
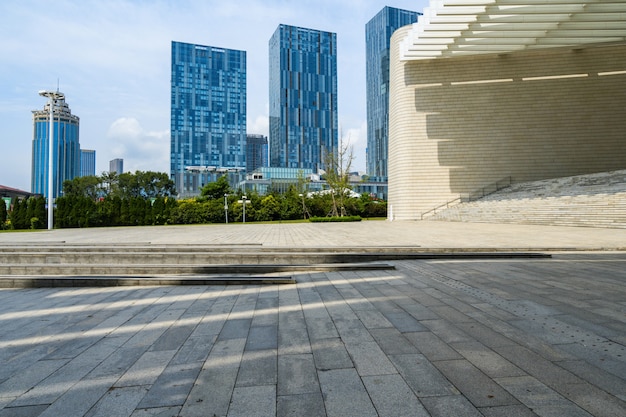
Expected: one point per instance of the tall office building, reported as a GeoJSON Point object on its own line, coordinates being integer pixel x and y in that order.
{"type": "Point", "coordinates": [65, 147]}
{"type": "Point", "coordinates": [116, 166]}
{"type": "Point", "coordinates": [208, 114]}
{"type": "Point", "coordinates": [303, 97]}
{"type": "Point", "coordinates": [257, 152]}
{"type": "Point", "coordinates": [87, 162]}
{"type": "Point", "coordinates": [378, 33]}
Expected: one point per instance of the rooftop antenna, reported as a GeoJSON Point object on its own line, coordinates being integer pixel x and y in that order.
{"type": "Point", "coordinates": [57, 85]}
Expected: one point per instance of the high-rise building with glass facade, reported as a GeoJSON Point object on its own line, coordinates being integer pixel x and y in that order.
{"type": "Point", "coordinates": [303, 97]}
{"type": "Point", "coordinates": [116, 166]}
{"type": "Point", "coordinates": [87, 162]}
{"type": "Point", "coordinates": [208, 114]}
{"type": "Point", "coordinates": [65, 147]}
{"type": "Point", "coordinates": [257, 152]}
{"type": "Point", "coordinates": [378, 33]}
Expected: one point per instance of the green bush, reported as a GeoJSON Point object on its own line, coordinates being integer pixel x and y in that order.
{"type": "Point", "coordinates": [335, 219]}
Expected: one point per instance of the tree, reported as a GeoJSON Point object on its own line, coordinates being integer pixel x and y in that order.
{"type": "Point", "coordinates": [270, 208]}
{"type": "Point", "coordinates": [89, 186]}
{"type": "Point", "coordinates": [3, 214]}
{"type": "Point", "coordinates": [338, 176]}
{"type": "Point", "coordinates": [19, 214]}
{"type": "Point", "coordinates": [215, 190]}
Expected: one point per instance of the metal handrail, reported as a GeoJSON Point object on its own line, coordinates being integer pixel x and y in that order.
{"type": "Point", "coordinates": [471, 196]}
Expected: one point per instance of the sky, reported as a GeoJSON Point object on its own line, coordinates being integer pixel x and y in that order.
{"type": "Point", "coordinates": [112, 60]}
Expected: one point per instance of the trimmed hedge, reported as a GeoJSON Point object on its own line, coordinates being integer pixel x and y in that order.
{"type": "Point", "coordinates": [335, 219]}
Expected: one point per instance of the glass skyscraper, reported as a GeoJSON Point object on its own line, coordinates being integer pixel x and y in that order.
{"type": "Point", "coordinates": [87, 162]}
{"type": "Point", "coordinates": [303, 97]}
{"type": "Point", "coordinates": [208, 114]}
{"type": "Point", "coordinates": [256, 152]}
{"type": "Point", "coordinates": [378, 33]}
{"type": "Point", "coordinates": [65, 146]}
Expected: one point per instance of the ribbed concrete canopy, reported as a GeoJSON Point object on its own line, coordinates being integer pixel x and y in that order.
{"type": "Point", "coordinates": [451, 28]}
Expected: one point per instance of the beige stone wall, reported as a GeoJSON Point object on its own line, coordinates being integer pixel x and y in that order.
{"type": "Point", "coordinates": [460, 124]}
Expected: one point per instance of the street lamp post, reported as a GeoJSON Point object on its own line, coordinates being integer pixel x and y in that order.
{"type": "Point", "coordinates": [52, 96]}
{"type": "Point", "coordinates": [244, 198]}
{"type": "Point", "coordinates": [226, 207]}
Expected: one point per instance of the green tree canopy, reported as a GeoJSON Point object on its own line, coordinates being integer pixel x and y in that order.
{"type": "Point", "coordinates": [216, 189]}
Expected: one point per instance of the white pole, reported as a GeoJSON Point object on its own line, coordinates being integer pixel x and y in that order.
{"type": "Point", "coordinates": [50, 166]}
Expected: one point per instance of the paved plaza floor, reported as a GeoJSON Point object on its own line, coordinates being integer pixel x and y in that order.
{"type": "Point", "coordinates": [470, 337]}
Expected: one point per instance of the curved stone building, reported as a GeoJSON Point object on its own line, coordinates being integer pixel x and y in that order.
{"type": "Point", "coordinates": [501, 92]}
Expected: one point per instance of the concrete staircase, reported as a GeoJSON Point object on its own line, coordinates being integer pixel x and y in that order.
{"type": "Point", "coordinates": [37, 265]}
{"type": "Point", "coordinates": [595, 200]}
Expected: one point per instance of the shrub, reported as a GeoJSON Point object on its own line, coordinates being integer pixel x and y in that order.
{"type": "Point", "coordinates": [335, 219]}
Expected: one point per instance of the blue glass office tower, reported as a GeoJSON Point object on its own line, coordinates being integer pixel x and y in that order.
{"type": "Point", "coordinates": [65, 146]}
{"type": "Point", "coordinates": [208, 113]}
{"type": "Point", "coordinates": [303, 97]}
{"type": "Point", "coordinates": [87, 162]}
{"type": "Point", "coordinates": [378, 33]}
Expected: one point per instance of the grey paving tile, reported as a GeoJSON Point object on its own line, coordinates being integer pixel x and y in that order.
{"type": "Point", "coordinates": [369, 359]}
{"type": "Point", "coordinates": [473, 384]}
{"type": "Point", "coordinates": [507, 411]}
{"type": "Point", "coordinates": [331, 354]}
{"type": "Point", "coordinates": [293, 339]}
{"type": "Point", "coordinates": [296, 374]}
{"type": "Point", "coordinates": [393, 397]}
{"type": "Point", "coordinates": [422, 377]}
{"type": "Point", "coordinates": [540, 397]}
{"type": "Point", "coordinates": [300, 405]}
{"type": "Point", "coordinates": [446, 331]}
{"type": "Point", "coordinates": [235, 329]}
{"type": "Point", "coordinates": [344, 394]}
{"type": "Point", "coordinates": [60, 381]}
{"type": "Point", "coordinates": [484, 334]}
{"type": "Point", "coordinates": [487, 360]}
{"type": "Point", "coordinates": [349, 326]}
{"type": "Point", "coordinates": [595, 401]}
{"type": "Point", "coordinates": [373, 319]}
{"type": "Point", "coordinates": [23, 381]}
{"type": "Point", "coordinates": [77, 402]}
{"type": "Point", "coordinates": [213, 388]}
{"type": "Point", "coordinates": [320, 327]}
{"type": "Point", "coordinates": [258, 367]}
{"type": "Point", "coordinates": [119, 402]}
{"type": "Point", "coordinates": [432, 347]}
{"type": "Point", "coordinates": [262, 338]}
{"type": "Point", "coordinates": [157, 412]}
{"type": "Point", "coordinates": [172, 386]}
{"type": "Point", "coordinates": [451, 314]}
{"type": "Point", "coordinates": [173, 337]}
{"type": "Point", "coordinates": [256, 401]}
{"type": "Point", "coordinates": [446, 406]}
{"type": "Point", "coordinates": [24, 411]}
{"type": "Point", "coordinates": [606, 381]}
{"type": "Point", "coordinates": [195, 349]}
{"type": "Point", "coordinates": [117, 363]}
{"type": "Point", "coordinates": [146, 369]}
{"type": "Point", "coordinates": [535, 365]}
{"type": "Point", "coordinates": [392, 342]}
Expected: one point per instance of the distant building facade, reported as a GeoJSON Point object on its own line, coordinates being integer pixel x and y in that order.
{"type": "Point", "coordinates": [65, 147]}
{"type": "Point", "coordinates": [87, 162]}
{"type": "Point", "coordinates": [208, 114]}
{"type": "Point", "coordinates": [116, 166]}
{"type": "Point", "coordinates": [303, 97]}
{"type": "Point", "coordinates": [378, 33]}
{"type": "Point", "coordinates": [257, 152]}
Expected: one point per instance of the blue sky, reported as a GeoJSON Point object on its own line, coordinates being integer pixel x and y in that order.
{"type": "Point", "coordinates": [112, 61]}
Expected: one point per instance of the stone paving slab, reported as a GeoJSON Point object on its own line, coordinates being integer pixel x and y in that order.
{"type": "Point", "coordinates": [534, 337]}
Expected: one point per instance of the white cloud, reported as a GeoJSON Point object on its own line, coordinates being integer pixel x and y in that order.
{"type": "Point", "coordinates": [141, 150]}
